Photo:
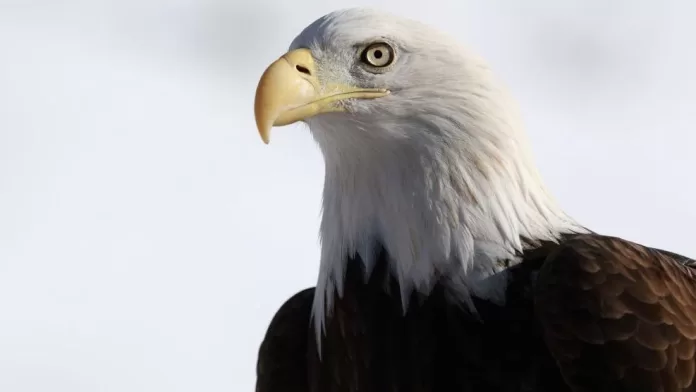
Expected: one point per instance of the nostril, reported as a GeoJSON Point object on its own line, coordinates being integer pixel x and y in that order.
{"type": "Point", "coordinates": [302, 69]}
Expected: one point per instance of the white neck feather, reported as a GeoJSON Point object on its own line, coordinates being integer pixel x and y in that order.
{"type": "Point", "coordinates": [441, 193]}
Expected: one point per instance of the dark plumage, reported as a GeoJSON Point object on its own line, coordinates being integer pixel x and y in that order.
{"type": "Point", "coordinates": [617, 316]}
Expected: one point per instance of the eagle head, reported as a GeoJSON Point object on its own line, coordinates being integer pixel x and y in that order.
{"type": "Point", "coordinates": [425, 154]}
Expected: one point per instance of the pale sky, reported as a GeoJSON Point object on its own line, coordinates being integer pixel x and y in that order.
{"type": "Point", "coordinates": [147, 235]}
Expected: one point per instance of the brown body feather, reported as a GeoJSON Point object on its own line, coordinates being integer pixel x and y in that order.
{"type": "Point", "coordinates": [619, 316]}
{"type": "Point", "coordinates": [602, 314]}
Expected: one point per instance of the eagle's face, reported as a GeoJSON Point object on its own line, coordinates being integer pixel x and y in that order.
{"type": "Point", "coordinates": [379, 75]}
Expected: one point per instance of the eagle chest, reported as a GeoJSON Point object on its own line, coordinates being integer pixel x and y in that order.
{"type": "Point", "coordinates": [371, 344]}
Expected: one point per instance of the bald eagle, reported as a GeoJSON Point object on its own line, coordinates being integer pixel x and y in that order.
{"type": "Point", "coordinates": [446, 264]}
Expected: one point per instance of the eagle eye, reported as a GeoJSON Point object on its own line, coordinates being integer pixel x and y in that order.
{"type": "Point", "coordinates": [378, 55]}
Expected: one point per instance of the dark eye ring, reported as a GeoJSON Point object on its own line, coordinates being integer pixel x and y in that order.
{"type": "Point", "coordinates": [378, 54]}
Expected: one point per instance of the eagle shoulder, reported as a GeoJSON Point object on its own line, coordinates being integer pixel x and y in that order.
{"type": "Point", "coordinates": [619, 316]}
{"type": "Point", "coordinates": [280, 365]}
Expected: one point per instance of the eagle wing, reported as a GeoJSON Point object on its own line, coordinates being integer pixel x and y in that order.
{"type": "Point", "coordinates": [618, 316]}
{"type": "Point", "coordinates": [281, 364]}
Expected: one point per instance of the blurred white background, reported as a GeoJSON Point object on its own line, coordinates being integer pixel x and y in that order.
{"type": "Point", "coordinates": [147, 235]}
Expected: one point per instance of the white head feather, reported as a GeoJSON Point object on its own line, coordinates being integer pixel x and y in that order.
{"type": "Point", "coordinates": [439, 172]}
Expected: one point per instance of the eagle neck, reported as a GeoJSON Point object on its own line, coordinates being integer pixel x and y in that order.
{"type": "Point", "coordinates": [449, 210]}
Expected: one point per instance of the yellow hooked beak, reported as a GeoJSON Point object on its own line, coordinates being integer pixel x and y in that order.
{"type": "Point", "coordinates": [289, 91]}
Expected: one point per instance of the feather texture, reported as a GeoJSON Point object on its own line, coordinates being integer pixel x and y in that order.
{"type": "Point", "coordinates": [593, 313]}
{"type": "Point", "coordinates": [619, 316]}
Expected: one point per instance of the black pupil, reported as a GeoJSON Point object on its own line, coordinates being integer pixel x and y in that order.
{"type": "Point", "coordinates": [378, 54]}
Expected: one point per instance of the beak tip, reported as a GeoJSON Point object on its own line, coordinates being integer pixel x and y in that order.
{"type": "Point", "coordinates": [265, 135]}
{"type": "Point", "coordinates": [263, 125]}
